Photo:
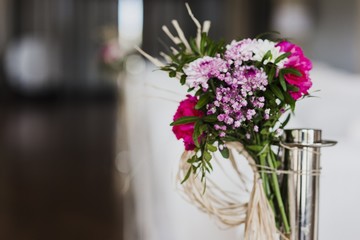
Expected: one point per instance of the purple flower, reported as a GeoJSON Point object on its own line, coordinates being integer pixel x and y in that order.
{"type": "Point", "coordinates": [221, 117]}
{"type": "Point", "coordinates": [250, 113]}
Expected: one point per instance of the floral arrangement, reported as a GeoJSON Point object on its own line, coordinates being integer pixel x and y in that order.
{"type": "Point", "coordinates": [238, 92]}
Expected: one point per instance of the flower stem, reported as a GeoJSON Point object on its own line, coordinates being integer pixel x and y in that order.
{"type": "Point", "coordinates": [275, 183]}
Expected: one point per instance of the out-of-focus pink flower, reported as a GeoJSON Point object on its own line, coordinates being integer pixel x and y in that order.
{"type": "Point", "coordinates": [301, 63]}
{"type": "Point", "coordinates": [185, 131]}
{"type": "Point", "coordinates": [111, 52]}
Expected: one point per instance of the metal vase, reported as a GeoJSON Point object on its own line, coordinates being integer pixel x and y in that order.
{"type": "Point", "coordinates": [301, 156]}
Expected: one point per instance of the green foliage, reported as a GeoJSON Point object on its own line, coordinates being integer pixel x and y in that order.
{"type": "Point", "coordinates": [184, 120]}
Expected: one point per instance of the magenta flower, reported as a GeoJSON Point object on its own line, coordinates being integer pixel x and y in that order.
{"type": "Point", "coordinates": [185, 131]}
{"type": "Point", "coordinates": [298, 61]}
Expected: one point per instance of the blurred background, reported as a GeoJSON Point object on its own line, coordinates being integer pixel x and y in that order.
{"type": "Point", "coordinates": [86, 151]}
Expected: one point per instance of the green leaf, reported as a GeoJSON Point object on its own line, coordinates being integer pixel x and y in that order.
{"type": "Point", "coordinates": [282, 81]}
{"type": "Point", "coordinates": [230, 139]}
{"type": "Point", "coordinates": [281, 57]}
{"type": "Point", "coordinates": [268, 124]}
{"type": "Point", "coordinates": [207, 156]}
{"type": "Point", "coordinates": [203, 43]}
{"type": "Point", "coordinates": [269, 95]}
{"type": "Point", "coordinates": [289, 100]}
{"type": "Point", "coordinates": [183, 79]}
{"type": "Point", "coordinates": [187, 175]}
{"type": "Point", "coordinates": [271, 74]}
{"type": "Point", "coordinates": [190, 89]}
{"type": "Point", "coordinates": [286, 121]}
{"type": "Point", "coordinates": [211, 50]}
{"type": "Point", "coordinates": [204, 99]}
{"type": "Point", "coordinates": [264, 131]}
{"type": "Point", "coordinates": [210, 118]}
{"type": "Point", "coordinates": [277, 92]}
{"type": "Point", "coordinates": [292, 88]}
{"type": "Point", "coordinates": [203, 128]}
{"type": "Point", "coordinates": [267, 55]}
{"type": "Point", "coordinates": [197, 133]}
{"type": "Point", "coordinates": [210, 166]}
{"type": "Point", "coordinates": [193, 46]}
{"type": "Point", "coordinates": [199, 92]}
{"type": "Point", "coordinates": [225, 152]}
{"type": "Point", "coordinates": [255, 148]}
{"type": "Point", "coordinates": [172, 74]}
{"type": "Point", "coordinates": [291, 71]}
{"type": "Point", "coordinates": [211, 148]}
{"type": "Point", "coordinates": [193, 159]}
{"type": "Point", "coordinates": [184, 120]}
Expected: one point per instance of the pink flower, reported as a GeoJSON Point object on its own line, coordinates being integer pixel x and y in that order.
{"type": "Point", "coordinates": [298, 61]}
{"type": "Point", "coordinates": [111, 52]}
{"type": "Point", "coordinates": [201, 70]}
{"type": "Point", "coordinates": [238, 52]}
{"type": "Point", "coordinates": [185, 131]}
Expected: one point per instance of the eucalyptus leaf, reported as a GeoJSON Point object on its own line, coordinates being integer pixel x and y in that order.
{"type": "Point", "coordinates": [207, 156]}
{"type": "Point", "coordinates": [193, 159]}
{"type": "Point", "coordinates": [211, 148]}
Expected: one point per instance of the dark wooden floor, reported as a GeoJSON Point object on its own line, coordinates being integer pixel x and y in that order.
{"type": "Point", "coordinates": [57, 175]}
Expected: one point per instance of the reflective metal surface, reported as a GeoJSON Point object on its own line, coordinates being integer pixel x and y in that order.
{"type": "Point", "coordinates": [301, 150]}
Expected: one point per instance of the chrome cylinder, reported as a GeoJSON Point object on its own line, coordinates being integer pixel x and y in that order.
{"type": "Point", "coordinates": [301, 153]}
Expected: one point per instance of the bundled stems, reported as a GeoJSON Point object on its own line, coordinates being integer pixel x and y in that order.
{"type": "Point", "coordinates": [276, 188]}
{"type": "Point", "coordinates": [271, 184]}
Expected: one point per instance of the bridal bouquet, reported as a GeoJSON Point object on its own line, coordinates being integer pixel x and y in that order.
{"type": "Point", "coordinates": [243, 91]}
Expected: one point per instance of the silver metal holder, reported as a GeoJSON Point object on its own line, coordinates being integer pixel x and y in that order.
{"type": "Point", "coordinates": [301, 157]}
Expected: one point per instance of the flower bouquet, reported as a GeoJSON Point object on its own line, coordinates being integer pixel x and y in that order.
{"type": "Point", "coordinates": [241, 96]}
